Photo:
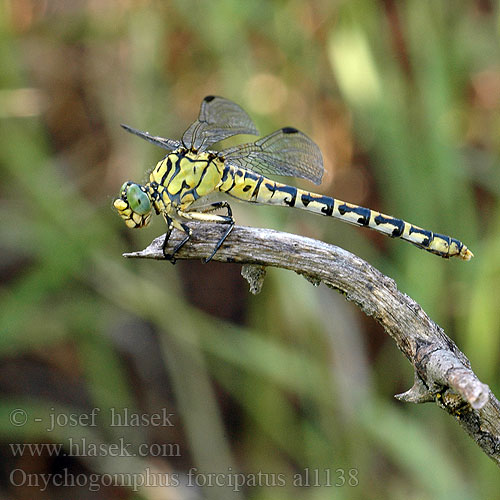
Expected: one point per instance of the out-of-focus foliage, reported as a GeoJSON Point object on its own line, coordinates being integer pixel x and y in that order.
{"type": "Point", "coordinates": [403, 99]}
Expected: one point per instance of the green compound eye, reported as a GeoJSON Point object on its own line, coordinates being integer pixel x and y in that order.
{"type": "Point", "coordinates": [138, 200]}
{"type": "Point", "coordinates": [123, 188]}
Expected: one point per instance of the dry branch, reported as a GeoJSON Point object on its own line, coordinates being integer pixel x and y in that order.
{"type": "Point", "coordinates": [442, 372]}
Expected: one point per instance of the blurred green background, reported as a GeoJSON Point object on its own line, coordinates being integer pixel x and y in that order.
{"type": "Point", "coordinates": [403, 98]}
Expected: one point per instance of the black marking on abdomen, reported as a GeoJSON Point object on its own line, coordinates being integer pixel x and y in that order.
{"type": "Point", "coordinates": [252, 177]}
{"type": "Point", "coordinates": [428, 235]}
{"type": "Point", "coordinates": [255, 192]}
{"type": "Point", "coordinates": [329, 203]}
{"type": "Point", "coordinates": [225, 173]}
{"type": "Point", "coordinates": [292, 191]}
{"type": "Point", "coordinates": [233, 181]}
{"type": "Point", "coordinates": [443, 237]}
{"type": "Point", "coordinates": [271, 186]}
{"type": "Point", "coordinates": [235, 174]}
{"type": "Point", "coordinates": [306, 199]}
{"type": "Point", "coordinates": [398, 224]}
{"type": "Point", "coordinates": [364, 213]}
{"type": "Point", "coordinates": [326, 201]}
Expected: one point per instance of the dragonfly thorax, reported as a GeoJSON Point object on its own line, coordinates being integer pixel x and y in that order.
{"type": "Point", "coordinates": [181, 178]}
{"type": "Point", "coordinates": [134, 205]}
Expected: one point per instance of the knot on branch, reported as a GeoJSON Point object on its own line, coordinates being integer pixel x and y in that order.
{"type": "Point", "coordinates": [441, 369]}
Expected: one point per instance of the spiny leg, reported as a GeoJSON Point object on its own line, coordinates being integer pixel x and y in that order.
{"type": "Point", "coordinates": [179, 245]}
{"type": "Point", "coordinates": [170, 227]}
{"type": "Point", "coordinates": [229, 220]}
{"type": "Point", "coordinates": [216, 206]}
{"type": "Point", "coordinates": [203, 216]}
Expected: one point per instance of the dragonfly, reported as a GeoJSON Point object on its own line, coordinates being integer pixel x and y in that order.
{"type": "Point", "coordinates": [192, 182]}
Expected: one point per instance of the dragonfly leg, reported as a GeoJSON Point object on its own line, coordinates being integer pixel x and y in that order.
{"type": "Point", "coordinates": [221, 241]}
{"type": "Point", "coordinates": [216, 206]}
{"type": "Point", "coordinates": [219, 219]}
{"type": "Point", "coordinates": [170, 227]}
{"type": "Point", "coordinates": [228, 220]}
{"type": "Point", "coordinates": [179, 245]}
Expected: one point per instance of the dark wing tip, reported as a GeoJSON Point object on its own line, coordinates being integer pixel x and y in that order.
{"type": "Point", "coordinates": [209, 98]}
{"type": "Point", "coordinates": [289, 130]}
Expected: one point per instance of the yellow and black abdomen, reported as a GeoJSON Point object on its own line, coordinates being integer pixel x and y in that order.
{"type": "Point", "coordinates": [251, 187]}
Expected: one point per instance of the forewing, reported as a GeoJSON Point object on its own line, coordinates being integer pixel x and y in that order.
{"type": "Point", "coordinates": [219, 119]}
{"type": "Point", "coordinates": [164, 143]}
{"type": "Point", "coordinates": [284, 152]}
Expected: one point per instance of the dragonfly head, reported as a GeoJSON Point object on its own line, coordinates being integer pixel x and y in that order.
{"type": "Point", "coordinates": [133, 205]}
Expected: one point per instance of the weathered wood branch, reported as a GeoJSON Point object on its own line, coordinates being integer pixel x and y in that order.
{"type": "Point", "coordinates": [442, 373]}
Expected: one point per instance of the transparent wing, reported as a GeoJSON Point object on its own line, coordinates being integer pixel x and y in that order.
{"type": "Point", "coordinates": [285, 152]}
{"type": "Point", "coordinates": [218, 119]}
{"type": "Point", "coordinates": [164, 143]}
